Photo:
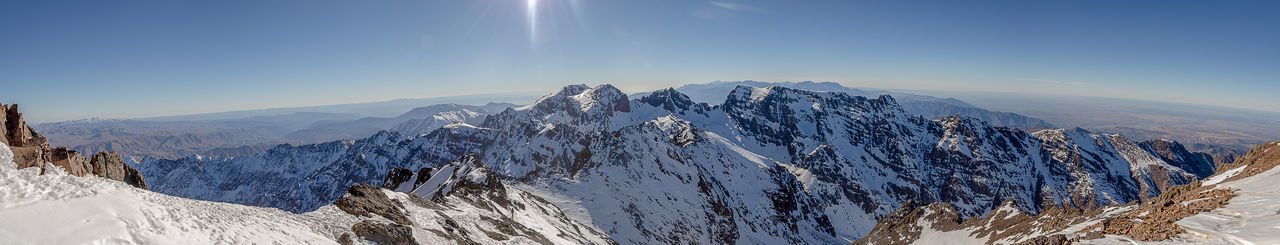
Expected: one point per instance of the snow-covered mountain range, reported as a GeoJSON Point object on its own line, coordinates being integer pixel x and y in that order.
{"type": "Point", "coordinates": [767, 165]}
{"type": "Point", "coordinates": [929, 107]}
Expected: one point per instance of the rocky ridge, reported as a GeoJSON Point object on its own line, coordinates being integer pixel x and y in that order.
{"type": "Point", "coordinates": [30, 149]}
{"type": "Point", "coordinates": [1157, 219]}
{"type": "Point", "coordinates": [467, 204]}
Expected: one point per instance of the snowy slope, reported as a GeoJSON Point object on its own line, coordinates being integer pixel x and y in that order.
{"type": "Point", "coordinates": [56, 208]}
{"type": "Point", "coordinates": [769, 165]}
{"type": "Point", "coordinates": [1252, 217]}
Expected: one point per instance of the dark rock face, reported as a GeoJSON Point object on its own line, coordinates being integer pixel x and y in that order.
{"type": "Point", "coordinates": [366, 200]}
{"type": "Point", "coordinates": [111, 166]}
{"type": "Point", "coordinates": [1200, 164]}
{"type": "Point", "coordinates": [395, 177]}
{"type": "Point", "coordinates": [1219, 155]}
{"type": "Point", "coordinates": [381, 233]}
{"type": "Point", "coordinates": [668, 99]}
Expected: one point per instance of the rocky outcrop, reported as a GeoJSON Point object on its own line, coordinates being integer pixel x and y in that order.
{"type": "Point", "coordinates": [111, 165]}
{"type": "Point", "coordinates": [32, 150]}
{"type": "Point", "coordinates": [468, 204]}
{"type": "Point", "coordinates": [1154, 219]}
{"type": "Point", "coordinates": [16, 131]}
{"type": "Point", "coordinates": [367, 200]}
{"type": "Point", "coordinates": [29, 148]}
{"type": "Point", "coordinates": [907, 223]}
{"type": "Point", "coordinates": [434, 183]}
{"type": "Point", "coordinates": [1259, 159]}
{"type": "Point", "coordinates": [69, 160]}
{"type": "Point", "coordinates": [396, 177]}
{"type": "Point", "coordinates": [383, 233]}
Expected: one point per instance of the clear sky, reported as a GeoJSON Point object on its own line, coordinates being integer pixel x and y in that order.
{"type": "Point", "coordinates": [75, 59]}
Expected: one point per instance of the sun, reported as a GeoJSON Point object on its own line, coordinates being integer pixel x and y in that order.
{"type": "Point", "coordinates": [532, 11]}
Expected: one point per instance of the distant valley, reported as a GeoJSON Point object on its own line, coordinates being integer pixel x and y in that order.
{"type": "Point", "coordinates": [238, 133]}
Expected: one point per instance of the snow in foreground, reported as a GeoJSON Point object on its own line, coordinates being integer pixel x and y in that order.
{"type": "Point", "coordinates": [1252, 217]}
{"type": "Point", "coordinates": [57, 208]}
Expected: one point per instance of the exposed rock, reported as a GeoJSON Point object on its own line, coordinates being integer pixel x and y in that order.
{"type": "Point", "coordinates": [111, 165]}
{"type": "Point", "coordinates": [366, 200]}
{"type": "Point", "coordinates": [383, 233]}
{"type": "Point", "coordinates": [31, 156]}
{"type": "Point", "coordinates": [434, 183]}
{"type": "Point", "coordinates": [396, 177]}
{"type": "Point", "coordinates": [1257, 160]}
{"type": "Point", "coordinates": [4, 124]}
{"type": "Point", "coordinates": [346, 239]}
{"type": "Point", "coordinates": [1200, 164]}
{"type": "Point", "coordinates": [69, 160]}
{"type": "Point", "coordinates": [1008, 223]}
{"type": "Point", "coordinates": [32, 150]}
{"type": "Point", "coordinates": [29, 148]}
{"type": "Point", "coordinates": [1219, 154]}
{"type": "Point", "coordinates": [1058, 239]}
{"type": "Point", "coordinates": [16, 132]}
{"type": "Point", "coordinates": [905, 225]}
{"type": "Point", "coordinates": [1154, 219]}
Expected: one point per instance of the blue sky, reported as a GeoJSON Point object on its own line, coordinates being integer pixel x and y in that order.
{"type": "Point", "coordinates": [75, 59]}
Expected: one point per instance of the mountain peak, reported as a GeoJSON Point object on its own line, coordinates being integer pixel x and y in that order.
{"type": "Point", "coordinates": [668, 99]}
{"type": "Point", "coordinates": [573, 89]}
{"type": "Point", "coordinates": [580, 98]}
{"type": "Point", "coordinates": [886, 98]}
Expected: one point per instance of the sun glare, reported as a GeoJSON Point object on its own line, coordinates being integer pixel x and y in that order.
{"type": "Point", "coordinates": [532, 11]}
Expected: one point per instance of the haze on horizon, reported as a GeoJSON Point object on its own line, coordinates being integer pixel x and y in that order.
{"type": "Point", "coordinates": [65, 60]}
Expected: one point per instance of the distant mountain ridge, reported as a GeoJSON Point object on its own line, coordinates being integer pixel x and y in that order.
{"type": "Point", "coordinates": [768, 165]}
{"type": "Point", "coordinates": [1193, 125]}
{"type": "Point", "coordinates": [927, 106]}
{"type": "Point", "coordinates": [246, 136]}
{"type": "Point", "coordinates": [420, 119]}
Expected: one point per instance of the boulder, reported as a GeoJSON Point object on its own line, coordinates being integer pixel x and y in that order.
{"type": "Point", "coordinates": [30, 156]}
{"type": "Point", "coordinates": [69, 160]}
{"type": "Point", "coordinates": [111, 165]}
{"type": "Point", "coordinates": [383, 233]}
